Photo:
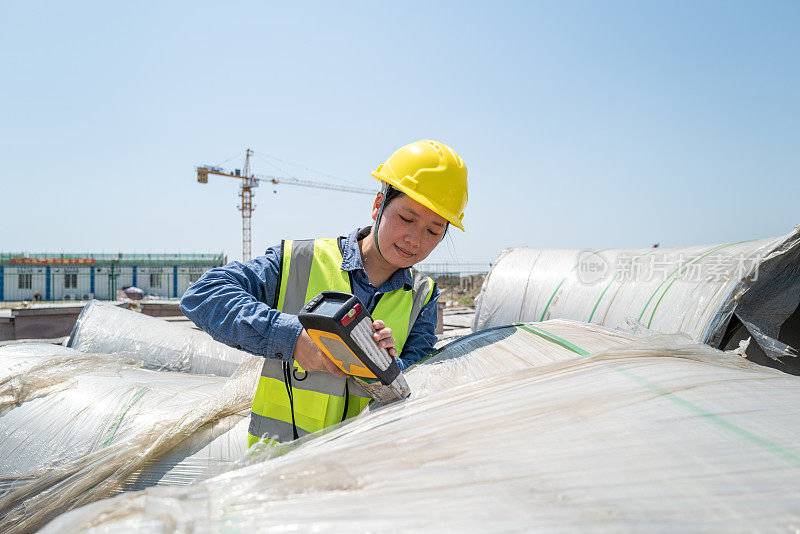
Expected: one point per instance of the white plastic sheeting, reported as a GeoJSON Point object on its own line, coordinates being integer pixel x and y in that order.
{"type": "Point", "coordinates": [52, 437]}
{"type": "Point", "coordinates": [521, 431]}
{"type": "Point", "coordinates": [105, 328]}
{"type": "Point", "coordinates": [91, 410]}
{"type": "Point", "coordinates": [693, 290]}
{"type": "Point", "coordinates": [31, 370]}
{"type": "Point", "coordinates": [76, 427]}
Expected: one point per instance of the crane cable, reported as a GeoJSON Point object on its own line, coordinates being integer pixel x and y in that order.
{"type": "Point", "coordinates": [338, 178]}
{"type": "Point", "coordinates": [238, 154]}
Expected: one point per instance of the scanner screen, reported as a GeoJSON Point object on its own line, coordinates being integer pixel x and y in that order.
{"type": "Point", "coordinates": [328, 307]}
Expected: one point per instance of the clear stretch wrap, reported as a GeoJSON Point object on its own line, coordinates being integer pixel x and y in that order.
{"type": "Point", "coordinates": [521, 429]}
{"type": "Point", "coordinates": [105, 328]}
{"type": "Point", "coordinates": [76, 427]}
{"type": "Point", "coordinates": [32, 370]}
{"type": "Point", "coordinates": [693, 290]}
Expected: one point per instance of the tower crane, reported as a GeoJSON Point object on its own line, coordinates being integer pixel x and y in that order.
{"type": "Point", "coordinates": [249, 181]}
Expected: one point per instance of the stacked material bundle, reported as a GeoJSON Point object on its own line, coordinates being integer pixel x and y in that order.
{"type": "Point", "coordinates": [505, 349]}
{"type": "Point", "coordinates": [94, 407]}
{"type": "Point", "coordinates": [31, 370]}
{"type": "Point", "coordinates": [694, 290]}
{"type": "Point", "coordinates": [552, 426]}
{"type": "Point", "coordinates": [75, 427]}
{"type": "Point", "coordinates": [105, 328]}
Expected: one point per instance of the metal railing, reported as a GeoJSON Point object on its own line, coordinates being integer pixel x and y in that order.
{"type": "Point", "coordinates": [459, 283]}
{"type": "Point", "coordinates": [436, 270]}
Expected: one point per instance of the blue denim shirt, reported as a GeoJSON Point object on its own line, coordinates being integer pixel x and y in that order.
{"type": "Point", "coordinates": [230, 304]}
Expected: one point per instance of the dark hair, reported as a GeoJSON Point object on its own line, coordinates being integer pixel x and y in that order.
{"type": "Point", "coordinates": [393, 193]}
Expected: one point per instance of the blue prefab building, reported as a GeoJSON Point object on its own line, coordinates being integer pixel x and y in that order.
{"type": "Point", "coordinates": [100, 276]}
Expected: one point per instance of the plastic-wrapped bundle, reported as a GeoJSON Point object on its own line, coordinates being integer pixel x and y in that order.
{"type": "Point", "coordinates": [660, 434]}
{"type": "Point", "coordinates": [56, 429]}
{"type": "Point", "coordinates": [32, 370]}
{"type": "Point", "coordinates": [105, 328]}
{"type": "Point", "coordinates": [15, 358]}
{"type": "Point", "coordinates": [694, 290]}
{"type": "Point", "coordinates": [93, 410]}
{"type": "Point", "coordinates": [211, 449]}
{"type": "Point", "coordinates": [108, 426]}
{"type": "Point", "coordinates": [509, 348]}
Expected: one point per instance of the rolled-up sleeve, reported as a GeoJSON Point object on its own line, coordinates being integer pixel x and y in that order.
{"type": "Point", "coordinates": [422, 337]}
{"type": "Point", "coordinates": [230, 303]}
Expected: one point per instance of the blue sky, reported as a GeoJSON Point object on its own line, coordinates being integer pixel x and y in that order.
{"type": "Point", "coordinates": [583, 124]}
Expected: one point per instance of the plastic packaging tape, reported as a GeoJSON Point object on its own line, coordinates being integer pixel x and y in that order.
{"type": "Point", "coordinates": [519, 429]}
{"type": "Point", "coordinates": [693, 290]}
{"type": "Point", "coordinates": [105, 328]}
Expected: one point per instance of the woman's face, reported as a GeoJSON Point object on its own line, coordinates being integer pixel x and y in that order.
{"type": "Point", "coordinates": [408, 231]}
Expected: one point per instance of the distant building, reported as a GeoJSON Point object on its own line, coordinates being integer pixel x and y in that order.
{"type": "Point", "coordinates": [100, 276]}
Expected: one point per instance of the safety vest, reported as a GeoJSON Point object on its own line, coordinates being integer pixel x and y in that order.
{"type": "Point", "coordinates": [320, 399]}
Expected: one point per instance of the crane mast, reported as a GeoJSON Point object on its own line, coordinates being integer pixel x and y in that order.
{"type": "Point", "coordinates": [246, 206]}
{"type": "Point", "coordinates": [247, 181]}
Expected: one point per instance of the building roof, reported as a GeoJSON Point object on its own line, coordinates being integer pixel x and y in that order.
{"type": "Point", "coordinates": [79, 258]}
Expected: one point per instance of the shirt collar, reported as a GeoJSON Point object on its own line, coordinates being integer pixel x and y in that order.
{"type": "Point", "coordinates": [351, 261]}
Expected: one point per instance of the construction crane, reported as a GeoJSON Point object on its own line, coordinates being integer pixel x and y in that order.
{"type": "Point", "coordinates": [248, 181]}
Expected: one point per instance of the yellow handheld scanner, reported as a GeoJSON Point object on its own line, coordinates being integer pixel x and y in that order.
{"type": "Point", "coordinates": [342, 328]}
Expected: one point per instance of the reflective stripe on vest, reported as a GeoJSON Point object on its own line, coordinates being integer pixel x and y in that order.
{"type": "Point", "coordinates": [320, 399]}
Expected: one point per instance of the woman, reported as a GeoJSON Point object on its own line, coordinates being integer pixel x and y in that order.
{"type": "Point", "coordinates": [253, 306]}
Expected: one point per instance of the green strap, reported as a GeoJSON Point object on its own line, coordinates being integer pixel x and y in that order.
{"type": "Point", "coordinates": [595, 253]}
{"type": "Point", "coordinates": [121, 415]}
{"type": "Point", "coordinates": [596, 304]}
{"type": "Point", "coordinates": [763, 443]}
{"type": "Point", "coordinates": [678, 272]}
{"type": "Point", "coordinates": [552, 338]}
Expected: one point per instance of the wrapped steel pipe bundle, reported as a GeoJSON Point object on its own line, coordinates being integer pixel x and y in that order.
{"type": "Point", "coordinates": [716, 294]}
{"type": "Point", "coordinates": [86, 426]}
{"type": "Point", "coordinates": [105, 328]}
{"type": "Point", "coordinates": [551, 426]}
{"type": "Point", "coordinates": [31, 370]}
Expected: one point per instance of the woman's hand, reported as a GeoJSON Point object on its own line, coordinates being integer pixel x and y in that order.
{"type": "Point", "coordinates": [311, 358]}
{"type": "Point", "coordinates": [383, 336]}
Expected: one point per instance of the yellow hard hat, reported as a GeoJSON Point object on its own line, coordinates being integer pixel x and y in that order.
{"type": "Point", "coordinates": [432, 174]}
